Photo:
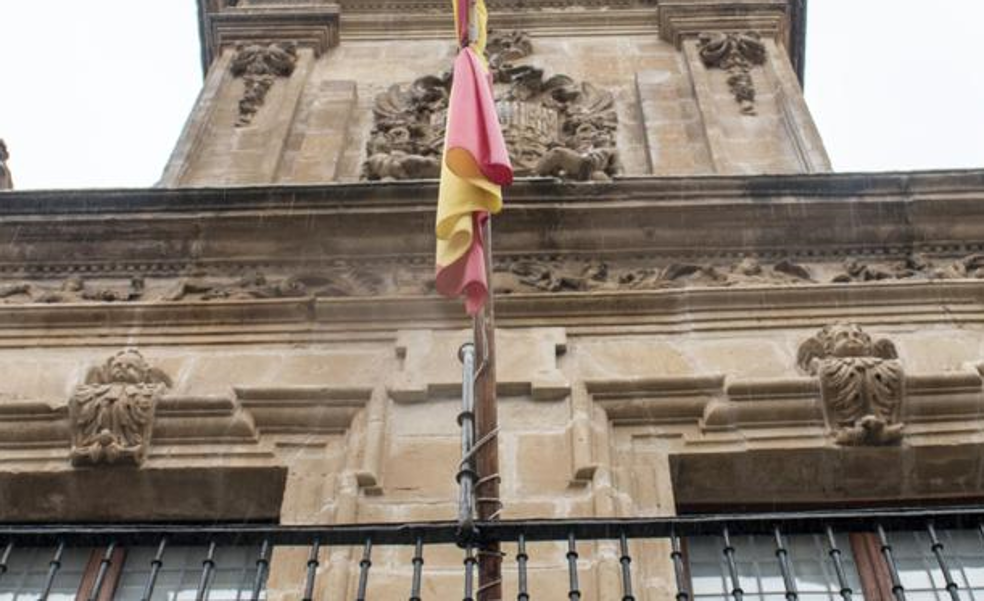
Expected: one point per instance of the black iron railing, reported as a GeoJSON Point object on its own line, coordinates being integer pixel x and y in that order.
{"type": "Point", "coordinates": [418, 536]}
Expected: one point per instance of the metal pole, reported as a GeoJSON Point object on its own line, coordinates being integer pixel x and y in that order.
{"type": "Point", "coordinates": [486, 424]}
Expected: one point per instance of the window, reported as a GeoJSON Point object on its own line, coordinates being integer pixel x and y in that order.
{"type": "Point", "coordinates": [758, 568]}
{"type": "Point", "coordinates": [865, 567]}
{"type": "Point", "coordinates": [177, 580]}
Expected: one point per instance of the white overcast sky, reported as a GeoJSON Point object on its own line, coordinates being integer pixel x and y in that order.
{"type": "Point", "coordinates": [93, 93]}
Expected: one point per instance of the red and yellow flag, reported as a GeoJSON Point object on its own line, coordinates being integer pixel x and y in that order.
{"type": "Point", "coordinates": [474, 168]}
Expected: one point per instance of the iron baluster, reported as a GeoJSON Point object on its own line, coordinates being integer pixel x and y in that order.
{"type": "Point", "coordinates": [729, 554]}
{"type": "Point", "coordinates": [625, 560]}
{"type": "Point", "coordinates": [364, 566]}
{"type": "Point", "coordinates": [521, 559]}
{"type": "Point", "coordinates": [208, 565]}
{"type": "Point", "coordinates": [262, 565]}
{"type": "Point", "coordinates": [53, 567]}
{"type": "Point", "coordinates": [679, 570]}
{"type": "Point", "coordinates": [418, 568]}
{"type": "Point", "coordinates": [575, 593]}
{"type": "Point", "coordinates": [835, 556]}
{"type": "Point", "coordinates": [312, 570]}
{"type": "Point", "coordinates": [937, 548]}
{"type": "Point", "coordinates": [5, 558]}
{"type": "Point", "coordinates": [155, 568]}
{"type": "Point", "coordinates": [470, 563]}
{"type": "Point", "coordinates": [898, 591]}
{"type": "Point", "coordinates": [107, 560]}
{"type": "Point", "coordinates": [787, 575]}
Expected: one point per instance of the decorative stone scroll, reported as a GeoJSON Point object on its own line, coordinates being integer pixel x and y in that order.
{"type": "Point", "coordinates": [259, 66]}
{"type": "Point", "coordinates": [6, 180]}
{"type": "Point", "coordinates": [735, 53]}
{"type": "Point", "coordinates": [112, 414]}
{"type": "Point", "coordinates": [552, 126]}
{"type": "Point", "coordinates": [861, 382]}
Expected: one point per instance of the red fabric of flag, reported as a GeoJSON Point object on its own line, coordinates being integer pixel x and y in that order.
{"type": "Point", "coordinates": [467, 276]}
{"type": "Point", "coordinates": [474, 144]}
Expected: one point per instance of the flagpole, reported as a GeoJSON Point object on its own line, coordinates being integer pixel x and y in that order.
{"type": "Point", "coordinates": [487, 425]}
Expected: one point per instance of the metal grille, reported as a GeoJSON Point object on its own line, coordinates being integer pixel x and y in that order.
{"type": "Point", "coordinates": [755, 556]}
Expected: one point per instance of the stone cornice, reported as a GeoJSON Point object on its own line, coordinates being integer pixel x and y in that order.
{"type": "Point", "coordinates": [801, 228]}
{"type": "Point", "coordinates": [824, 213]}
{"type": "Point", "coordinates": [312, 26]}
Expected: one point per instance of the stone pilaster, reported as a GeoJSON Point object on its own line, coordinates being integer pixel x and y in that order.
{"type": "Point", "coordinates": [738, 57]}
{"type": "Point", "coordinates": [247, 122]}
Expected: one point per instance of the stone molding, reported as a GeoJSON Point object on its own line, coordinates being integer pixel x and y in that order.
{"type": "Point", "coordinates": [193, 429]}
{"type": "Point", "coordinates": [750, 441]}
{"type": "Point", "coordinates": [681, 19]}
{"type": "Point", "coordinates": [313, 26]}
{"type": "Point", "coordinates": [436, 373]}
{"type": "Point", "coordinates": [716, 412]}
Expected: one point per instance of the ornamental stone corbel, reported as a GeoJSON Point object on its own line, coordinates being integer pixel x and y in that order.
{"type": "Point", "coordinates": [862, 384]}
{"type": "Point", "coordinates": [111, 415]}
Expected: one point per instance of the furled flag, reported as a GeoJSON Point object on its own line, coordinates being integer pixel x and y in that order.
{"type": "Point", "coordinates": [474, 167]}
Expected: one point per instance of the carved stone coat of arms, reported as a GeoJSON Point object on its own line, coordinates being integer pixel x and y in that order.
{"type": "Point", "coordinates": [861, 383]}
{"type": "Point", "coordinates": [553, 126]}
{"type": "Point", "coordinates": [112, 414]}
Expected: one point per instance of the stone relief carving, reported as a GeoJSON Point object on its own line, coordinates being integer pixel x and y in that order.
{"type": "Point", "coordinates": [861, 382]}
{"type": "Point", "coordinates": [735, 53]}
{"type": "Point", "coordinates": [6, 179]}
{"type": "Point", "coordinates": [534, 275]}
{"type": "Point", "coordinates": [111, 415]}
{"type": "Point", "coordinates": [553, 126]}
{"type": "Point", "coordinates": [73, 290]}
{"type": "Point", "coordinates": [252, 285]}
{"type": "Point", "coordinates": [259, 66]}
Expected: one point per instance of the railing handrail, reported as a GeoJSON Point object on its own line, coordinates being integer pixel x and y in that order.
{"type": "Point", "coordinates": [438, 532]}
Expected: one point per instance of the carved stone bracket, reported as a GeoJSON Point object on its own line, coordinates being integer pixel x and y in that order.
{"type": "Point", "coordinates": [111, 416]}
{"type": "Point", "coordinates": [553, 126]}
{"type": "Point", "coordinates": [735, 53]}
{"type": "Point", "coordinates": [861, 382]}
{"type": "Point", "coordinates": [259, 67]}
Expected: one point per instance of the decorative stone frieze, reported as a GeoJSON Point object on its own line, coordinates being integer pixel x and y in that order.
{"type": "Point", "coordinates": [249, 286]}
{"type": "Point", "coordinates": [259, 67]}
{"type": "Point", "coordinates": [73, 289]}
{"type": "Point", "coordinates": [735, 53]}
{"type": "Point", "coordinates": [111, 416]}
{"type": "Point", "coordinates": [553, 126]}
{"type": "Point", "coordinates": [6, 180]}
{"type": "Point", "coordinates": [861, 382]}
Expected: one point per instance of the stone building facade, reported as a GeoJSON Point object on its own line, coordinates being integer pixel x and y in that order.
{"type": "Point", "coordinates": [695, 314]}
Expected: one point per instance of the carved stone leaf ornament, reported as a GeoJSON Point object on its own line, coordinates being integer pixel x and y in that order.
{"type": "Point", "coordinates": [735, 53]}
{"type": "Point", "coordinates": [111, 416]}
{"type": "Point", "coordinates": [861, 382]}
{"type": "Point", "coordinates": [552, 126]}
{"type": "Point", "coordinates": [259, 67]}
